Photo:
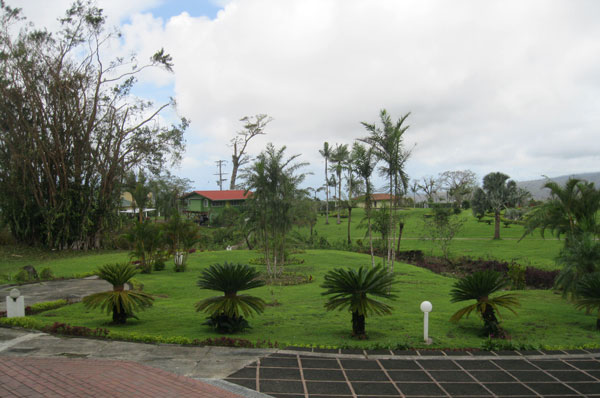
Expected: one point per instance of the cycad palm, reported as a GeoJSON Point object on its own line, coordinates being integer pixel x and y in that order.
{"type": "Point", "coordinates": [349, 289]}
{"type": "Point", "coordinates": [588, 295]}
{"type": "Point", "coordinates": [231, 307]}
{"type": "Point", "coordinates": [122, 303]}
{"type": "Point", "coordinates": [479, 286]}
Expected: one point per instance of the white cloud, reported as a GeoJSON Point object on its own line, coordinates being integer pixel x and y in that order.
{"type": "Point", "coordinates": [506, 86]}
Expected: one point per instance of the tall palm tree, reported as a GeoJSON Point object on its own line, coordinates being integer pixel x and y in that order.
{"type": "Point", "coordinates": [480, 286]}
{"type": "Point", "coordinates": [388, 146]}
{"type": "Point", "coordinates": [338, 158]}
{"type": "Point", "coordinates": [578, 259]}
{"type": "Point", "coordinates": [122, 303]}
{"type": "Point", "coordinates": [227, 312]}
{"type": "Point", "coordinates": [350, 289]}
{"type": "Point", "coordinates": [326, 153]}
{"type": "Point", "coordinates": [588, 295]}
{"type": "Point", "coordinates": [365, 165]}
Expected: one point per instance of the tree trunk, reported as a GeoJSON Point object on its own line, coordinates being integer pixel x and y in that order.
{"type": "Point", "coordinates": [326, 195]}
{"type": "Point", "coordinates": [349, 220]}
{"type": "Point", "coordinates": [339, 210]}
{"type": "Point", "coordinates": [235, 164]}
{"type": "Point", "coordinates": [119, 315]}
{"type": "Point", "coordinates": [400, 229]}
{"type": "Point", "coordinates": [371, 241]}
{"type": "Point", "coordinates": [497, 224]}
{"type": "Point", "coordinates": [358, 325]}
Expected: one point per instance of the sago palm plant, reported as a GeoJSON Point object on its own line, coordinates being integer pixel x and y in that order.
{"type": "Point", "coordinates": [227, 312]}
{"type": "Point", "coordinates": [350, 289]}
{"type": "Point", "coordinates": [588, 295]}
{"type": "Point", "coordinates": [480, 286]}
{"type": "Point", "coordinates": [122, 303]}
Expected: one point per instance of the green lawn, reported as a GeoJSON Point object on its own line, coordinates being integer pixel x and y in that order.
{"type": "Point", "coordinates": [299, 316]}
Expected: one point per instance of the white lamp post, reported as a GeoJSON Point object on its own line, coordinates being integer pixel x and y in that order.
{"type": "Point", "coordinates": [426, 307]}
{"type": "Point", "coordinates": [15, 304]}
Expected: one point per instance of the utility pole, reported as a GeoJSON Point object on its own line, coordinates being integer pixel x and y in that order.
{"type": "Point", "coordinates": [220, 174]}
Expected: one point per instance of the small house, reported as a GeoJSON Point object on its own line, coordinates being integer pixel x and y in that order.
{"type": "Point", "coordinates": [206, 205]}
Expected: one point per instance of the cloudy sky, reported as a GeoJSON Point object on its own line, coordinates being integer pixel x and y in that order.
{"type": "Point", "coordinates": [511, 85]}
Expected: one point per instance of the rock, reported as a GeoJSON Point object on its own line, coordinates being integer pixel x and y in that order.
{"type": "Point", "coordinates": [33, 275]}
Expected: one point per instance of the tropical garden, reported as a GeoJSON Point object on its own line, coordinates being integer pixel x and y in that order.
{"type": "Point", "coordinates": [502, 270]}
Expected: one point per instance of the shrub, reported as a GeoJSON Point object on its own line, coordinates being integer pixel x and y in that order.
{"type": "Point", "coordinates": [22, 277]}
{"type": "Point", "coordinates": [540, 279]}
{"type": "Point", "coordinates": [159, 264]}
{"type": "Point", "coordinates": [82, 331]}
{"type": "Point", "coordinates": [516, 274]}
{"type": "Point", "coordinates": [46, 274]}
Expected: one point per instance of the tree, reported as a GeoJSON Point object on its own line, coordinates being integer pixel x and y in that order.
{"type": "Point", "coordinates": [458, 183]}
{"type": "Point", "coordinates": [166, 191]}
{"type": "Point", "coordinates": [253, 126]}
{"type": "Point", "coordinates": [441, 227]}
{"type": "Point", "coordinates": [581, 257]}
{"type": "Point", "coordinates": [365, 165]}
{"type": "Point", "coordinates": [350, 289]}
{"type": "Point", "coordinates": [388, 146]}
{"type": "Point", "coordinates": [70, 131]}
{"type": "Point", "coordinates": [122, 303]}
{"type": "Point", "coordinates": [430, 186]}
{"type": "Point", "coordinates": [338, 158]}
{"type": "Point", "coordinates": [497, 194]}
{"type": "Point", "coordinates": [588, 295]}
{"type": "Point", "coordinates": [147, 240]}
{"type": "Point", "coordinates": [326, 153]}
{"type": "Point", "coordinates": [414, 188]}
{"type": "Point", "coordinates": [180, 236]}
{"type": "Point", "coordinates": [480, 286]}
{"type": "Point", "coordinates": [275, 185]}
{"type": "Point", "coordinates": [140, 191]}
{"type": "Point", "coordinates": [227, 312]}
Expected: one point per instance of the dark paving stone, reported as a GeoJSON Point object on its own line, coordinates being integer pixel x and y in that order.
{"type": "Point", "coordinates": [491, 375]}
{"type": "Point", "coordinates": [252, 365]}
{"type": "Point", "coordinates": [551, 388]}
{"type": "Point", "coordinates": [366, 375]}
{"type": "Point", "coordinates": [279, 362]}
{"type": "Point", "coordinates": [320, 363]}
{"type": "Point", "coordinates": [586, 388]}
{"type": "Point", "coordinates": [279, 355]}
{"type": "Point", "coordinates": [323, 375]}
{"type": "Point", "coordinates": [433, 364]}
{"type": "Point", "coordinates": [450, 375]}
{"type": "Point", "coordinates": [453, 353]}
{"type": "Point", "coordinates": [251, 384]}
{"type": "Point", "coordinates": [506, 353]}
{"type": "Point", "coordinates": [379, 352]}
{"type": "Point", "coordinates": [570, 375]}
{"type": "Point", "coordinates": [551, 364]}
{"type": "Point", "coordinates": [404, 352]}
{"type": "Point", "coordinates": [594, 373]}
{"type": "Point", "coordinates": [514, 364]}
{"type": "Point", "coordinates": [327, 350]}
{"type": "Point", "coordinates": [575, 352]}
{"type": "Point", "coordinates": [245, 373]}
{"type": "Point", "coordinates": [359, 364]}
{"type": "Point", "coordinates": [591, 365]}
{"type": "Point", "coordinates": [409, 375]}
{"type": "Point", "coordinates": [464, 389]}
{"type": "Point", "coordinates": [530, 375]}
{"type": "Point", "coordinates": [365, 388]}
{"type": "Point", "coordinates": [287, 395]}
{"type": "Point", "coordinates": [316, 387]}
{"type": "Point", "coordinates": [411, 389]}
{"type": "Point", "coordinates": [593, 350]}
{"type": "Point", "coordinates": [352, 351]}
{"type": "Point", "coordinates": [476, 364]}
{"type": "Point", "coordinates": [530, 352]}
{"type": "Point", "coordinates": [483, 353]}
{"type": "Point", "coordinates": [282, 373]}
{"type": "Point", "coordinates": [294, 348]}
{"type": "Point", "coordinates": [552, 352]}
{"type": "Point", "coordinates": [509, 389]}
{"type": "Point", "coordinates": [330, 396]}
{"type": "Point", "coordinates": [279, 386]}
{"type": "Point", "coordinates": [431, 353]}
{"type": "Point", "coordinates": [399, 364]}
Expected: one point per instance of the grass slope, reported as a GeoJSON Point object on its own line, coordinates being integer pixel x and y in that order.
{"type": "Point", "coordinates": [300, 318]}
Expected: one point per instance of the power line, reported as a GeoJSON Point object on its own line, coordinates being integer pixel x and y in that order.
{"type": "Point", "coordinates": [220, 174]}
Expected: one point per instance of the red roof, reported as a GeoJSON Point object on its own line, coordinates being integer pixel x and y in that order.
{"type": "Point", "coordinates": [376, 196]}
{"type": "Point", "coordinates": [223, 195]}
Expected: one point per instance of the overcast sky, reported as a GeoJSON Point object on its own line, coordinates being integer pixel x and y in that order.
{"type": "Point", "coordinates": [511, 86]}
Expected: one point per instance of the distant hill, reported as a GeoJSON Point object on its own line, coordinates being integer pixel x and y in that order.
{"type": "Point", "coordinates": [536, 187]}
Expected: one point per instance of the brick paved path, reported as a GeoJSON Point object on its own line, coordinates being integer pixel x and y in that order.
{"type": "Point", "coordinates": [299, 375]}
{"type": "Point", "coordinates": [63, 377]}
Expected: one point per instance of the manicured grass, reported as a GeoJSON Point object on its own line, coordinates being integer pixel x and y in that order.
{"type": "Point", "coordinates": [300, 318]}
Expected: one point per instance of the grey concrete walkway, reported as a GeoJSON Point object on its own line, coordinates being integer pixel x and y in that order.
{"type": "Point", "coordinates": [55, 290]}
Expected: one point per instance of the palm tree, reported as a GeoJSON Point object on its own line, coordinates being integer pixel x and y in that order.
{"type": "Point", "coordinates": [365, 165]}
{"type": "Point", "coordinates": [480, 286]}
{"type": "Point", "coordinates": [122, 303]}
{"type": "Point", "coordinates": [338, 158]}
{"type": "Point", "coordinates": [227, 312]}
{"type": "Point", "coordinates": [580, 258]}
{"type": "Point", "coordinates": [387, 144]}
{"type": "Point", "coordinates": [588, 295]}
{"type": "Point", "coordinates": [350, 290]}
{"type": "Point", "coordinates": [147, 240]}
{"type": "Point", "coordinates": [326, 153]}
{"type": "Point", "coordinates": [181, 236]}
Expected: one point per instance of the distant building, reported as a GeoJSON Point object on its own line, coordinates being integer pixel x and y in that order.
{"type": "Point", "coordinates": [206, 205]}
{"type": "Point", "coordinates": [378, 200]}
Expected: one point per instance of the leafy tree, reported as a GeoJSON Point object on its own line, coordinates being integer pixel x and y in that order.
{"type": "Point", "coordinates": [480, 286]}
{"type": "Point", "coordinates": [588, 295]}
{"type": "Point", "coordinates": [227, 312]}
{"type": "Point", "coordinates": [139, 188]}
{"type": "Point", "coordinates": [441, 227]}
{"type": "Point", "coordinates": [326, 153]}
{"type": "Point", "coordinates": [414, 188]}
{"type": "Point", "coordinates": [458, 183]}
{"type": "Point", "coordinates": [578, 259]}
{"type": "Point", "coordinates": [181, 236]}
{"type": "Point", "coordinates": [253, 126]}
{"type": "Point", "coordinates": [339, 157]}
{"type": "Point", "coordinates": [274, 181]}
{"type": "Point", "coordinates": [70, 130]}
{"type": "Point", "coordinates": [365, 165]}
{"type": "Point", "coordinates": [387, 144]}
{"type": "Point", "coordinates": [147, 240]}
{"type": "Point", "coordinates": [350, 289]}
{"type": "Point", "coordinates": [497, 194]}
{"type": "Point", "coordinates": [430, 186]}
{"type": "Point", "coordinates": [122, 303]}
{"type": "Point", "coordinates": [166, 191]}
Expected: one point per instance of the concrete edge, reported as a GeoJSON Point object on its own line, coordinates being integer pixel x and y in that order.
{"type": "Point", "coordinates": [234, 388]}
